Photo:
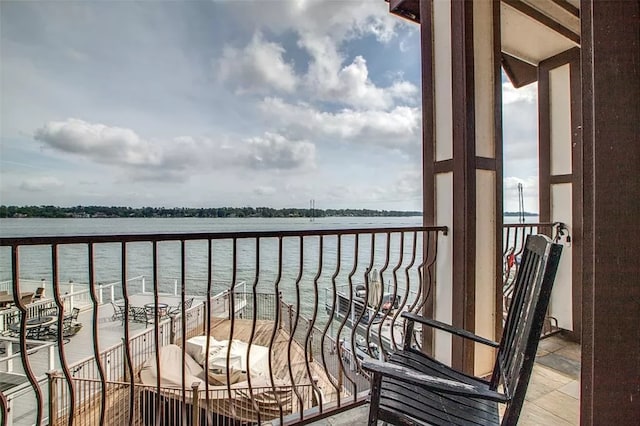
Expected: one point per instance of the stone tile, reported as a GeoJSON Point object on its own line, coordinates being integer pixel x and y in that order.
{"type": "Point", "coordinates": [534, 415]}
{"type": "Point", "coordinates": [551, 344]}
{"type": "Point", "coordinates": [548, 376]}
{"type": "Point", "coordinates": [571, 351]}
{"type": "Point", "coordinates": [538, 389]}
{"type": "Point", "coordinates": [572, 389]}
{"type": "Point", "coordinates": [561, 405]}
{"type": "Point", "coordinates": [542, 352]}
{"type": "Point", "coordinates": [561, 364]}
{"type": "Point", "coordinates": [356, 416]}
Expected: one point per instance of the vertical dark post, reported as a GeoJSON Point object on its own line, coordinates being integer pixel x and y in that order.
{"type": "Point", "coordinates": [611, 165]}
{"type": "Point", "coordinates": [195, 404]}
{"type": "Point", "coordinates": [53, 396]}
{"type": "Point", "coordinates": [289, 307]}
{"type": "Point", "coordinates": [172, 335]}
{"type": "Point", "coordinates": [428, 149]}
{"type": "Point", "coordinates": [125, 361]}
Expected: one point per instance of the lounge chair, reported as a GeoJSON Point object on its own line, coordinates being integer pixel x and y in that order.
{"type": "Point", "coordinates": [26, 298]}
{"type": "Point", "coordinates": [39, 294]}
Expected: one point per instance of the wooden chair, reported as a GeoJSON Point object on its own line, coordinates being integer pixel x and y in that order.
{"type": "Point", "coordinates": [4, 303]}
{"type": "Point", "coordinates": [26, 298]}
{"type": "Point", "coordinates": [414, 389]}
{"type": "Point", "coordinates": [39, 294]}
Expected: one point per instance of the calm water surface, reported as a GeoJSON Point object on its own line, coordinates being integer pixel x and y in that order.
{"type": "Point", "coordinates": [294, 270]}
{"type": "Point", "coordinates": [57, 227]}
{"type": "Point", "coordinates": [297, 273]}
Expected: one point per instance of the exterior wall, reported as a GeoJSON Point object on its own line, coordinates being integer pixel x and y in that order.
{"type": "Point", "coordinates": [444, 260]}
{"type": "Point", "coordinates": [485, 271]}
{"type": "Point", "coordinates": [560, 144]}
{"type": "Point", "coordinates": [610, 60]}
{"type": "Point", "coordinates": [444, 187]}
{"type": "Point", "coordinates": [488, 176]}
{"type": "Point", "coordinates": [561, 304]}
{"type": "Point", "coordinates": [443, 109]}
{"type": "Point", "coordinates": [462, 170]}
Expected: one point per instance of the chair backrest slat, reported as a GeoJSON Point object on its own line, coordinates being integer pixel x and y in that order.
{"type": "Point", "coordinates": [523, 313]}
{"type": "Point", "coordinates": [524, 322]}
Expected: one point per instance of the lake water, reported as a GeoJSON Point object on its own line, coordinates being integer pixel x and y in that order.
{"type": "Point", "coordinates": [57, 227]}
{"type": "Point", "coordinates": [297, 271]}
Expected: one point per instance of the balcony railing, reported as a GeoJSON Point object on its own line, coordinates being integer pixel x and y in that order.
{"type": "Point", "coordinates": [514, 238]}
{"type": "Point", "coordinates": [287, 317]}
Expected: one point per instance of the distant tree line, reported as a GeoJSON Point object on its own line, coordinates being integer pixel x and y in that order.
{"type": "Point", "coordinates": [103, 211]}
{"type": "Point", "coordinates": [518, 214]}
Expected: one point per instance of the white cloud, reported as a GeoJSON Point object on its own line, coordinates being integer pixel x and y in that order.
{"type": "Point", "coordinates": [322, 32]}
{"type": "Point", "coordinates": [163, 126]}
{"type": "Point", "coordinates": [41, 184]}
{"type": "Point", "coordinates": [102, 143]}
{"type": "Point", "coordinates": [404, 186]}
{"type": "Point", "coordinates": [339, 20]}
{"type": "Point", "coordinates": [260, 68]}
{"type": "Point", "coordinates": [351, 85]}
{"type": "Point", "coordinates": [177, 158]}
{"type": "Point", "coordinates": [527, 94]}
{"type": "Point", "coordinates": [257, 68]}
{"type": "Point", "coordinates": [408, 184]}
{"type": "Point", "coordinates": [264, 190]}
{"type": "Point", "coordinates": [520, 130]}
{"type": "Point", "coordinates": [396, 129]}
{"type": "Point", "coordinates": [274, 151]}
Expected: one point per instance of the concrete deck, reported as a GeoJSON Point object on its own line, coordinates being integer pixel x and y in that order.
{"type": "Point", "coordinates": [77, 348]}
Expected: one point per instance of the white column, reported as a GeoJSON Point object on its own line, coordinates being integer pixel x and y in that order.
{"type": "Point", "coordinates": [560, 306]}
{"type": "Point", "coordinates": [443, 130]}
{"type": "Point", "coordinates": [486, 183]}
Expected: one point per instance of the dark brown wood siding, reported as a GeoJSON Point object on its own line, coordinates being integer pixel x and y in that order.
{"type": "Point", "coordinates": [610, 390]}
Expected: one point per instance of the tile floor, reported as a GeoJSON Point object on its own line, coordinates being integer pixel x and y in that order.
{"type": "Point", "coordinates": [553, 395]}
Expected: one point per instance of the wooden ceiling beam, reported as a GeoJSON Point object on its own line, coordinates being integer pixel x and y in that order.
{"type": "Point", "coordinates": [407, 9]}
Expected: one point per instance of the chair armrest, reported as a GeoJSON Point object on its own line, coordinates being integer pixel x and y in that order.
{"type": "Point", "coordinates": [426, 381]}
{"type": "Point", "coordinates": [446, 327]}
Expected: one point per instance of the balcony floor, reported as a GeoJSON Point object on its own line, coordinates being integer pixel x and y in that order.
{"type": "Point", "coordinates": [553, 395]}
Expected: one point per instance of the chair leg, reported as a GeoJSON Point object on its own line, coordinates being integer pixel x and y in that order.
{"type": "Point", "coordinates": [374, 403]}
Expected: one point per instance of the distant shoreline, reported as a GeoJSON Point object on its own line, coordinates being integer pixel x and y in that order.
{"type": "Point", "coordinates": [104, 212]}
{"type": "Point", "coordinates": [527, 214]}
{"type": "Point", "coordinates": [93, 212]}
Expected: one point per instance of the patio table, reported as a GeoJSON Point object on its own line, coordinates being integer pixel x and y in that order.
{"type": "Point", "coordinates": [33, 323]}
{"type": "Point", "coordinates": [163, 308]}
{"type": "Point", "coordinates": [37, 327]}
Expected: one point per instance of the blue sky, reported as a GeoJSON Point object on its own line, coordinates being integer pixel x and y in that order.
{"type": "Point", "coordinates": [205, 104]}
